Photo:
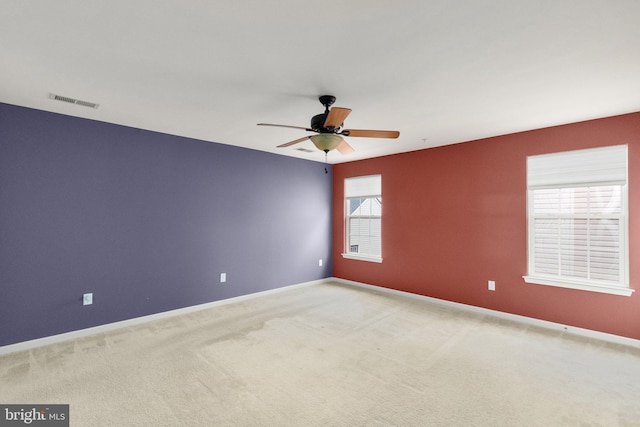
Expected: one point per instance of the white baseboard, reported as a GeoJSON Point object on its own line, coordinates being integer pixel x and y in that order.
{"type": "Point", "coordinates": [587, 333]}
{"type": "Point", "coordinates": [54, 339]}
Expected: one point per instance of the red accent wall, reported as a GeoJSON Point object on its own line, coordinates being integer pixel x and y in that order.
{"type": "Point", "coordinates": [454, 217]}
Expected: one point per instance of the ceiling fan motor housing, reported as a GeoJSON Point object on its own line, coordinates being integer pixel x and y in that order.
{"type": "Point", "coordinates": [317, 123]}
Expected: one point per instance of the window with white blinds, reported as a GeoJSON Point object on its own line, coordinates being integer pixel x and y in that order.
{"type": "Point", "coordinates": [363, 203]}
{"type": "Point", "coordinates": [577, 220]}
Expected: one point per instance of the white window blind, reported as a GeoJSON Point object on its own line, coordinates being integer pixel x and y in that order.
{"type": "Point", "coordinates": [363, 202]}
{"type": "Point", "coordinates": [577, 219]}
{"type": "Point", "coordinates": [363, 186]}
{"type": "Point", "coordinates": [606, 164]}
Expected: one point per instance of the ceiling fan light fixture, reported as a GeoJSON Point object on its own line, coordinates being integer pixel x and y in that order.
{"type": "Point", "coordinates": [326, 141]}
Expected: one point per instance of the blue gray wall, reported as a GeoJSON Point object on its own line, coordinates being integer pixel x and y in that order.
{"type": "Point", "coordinates": [146, 221]}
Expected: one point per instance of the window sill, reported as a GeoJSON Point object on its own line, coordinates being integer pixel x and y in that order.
{"type": "Point", "coordinates": [361, 257]}
{"type": "Point", "coordinates": [606, 289]}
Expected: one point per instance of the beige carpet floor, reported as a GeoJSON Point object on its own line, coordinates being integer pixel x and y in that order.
{"type": "Point", "coordinates": [331, 355]}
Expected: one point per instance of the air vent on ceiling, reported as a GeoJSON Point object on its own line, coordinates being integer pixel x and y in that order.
{"type": "Point", "coordinates": [305, 150]}
{"type": "Point", "coordinates": [73, 101]}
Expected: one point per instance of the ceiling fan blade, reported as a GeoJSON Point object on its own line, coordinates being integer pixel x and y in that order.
{"type": "Point", "coordinates": [336, 117]}
{"type": "Point", "coordinates": [285, 126]}
{"type": "Point", "coordinates": [286, 144]}
{"type": "Point", "coordinates": [344, 148]}
{"type": "Point", "coordinates": [371, 133]}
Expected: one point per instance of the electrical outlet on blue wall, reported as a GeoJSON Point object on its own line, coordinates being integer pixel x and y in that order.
{"type": "Point", "coordinates": [87, 299]}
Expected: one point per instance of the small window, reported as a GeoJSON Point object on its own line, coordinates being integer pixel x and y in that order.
{"type": "Point", "coordinates": [577, 220]}
{"type": "Point", "coordinates": [363, 202]}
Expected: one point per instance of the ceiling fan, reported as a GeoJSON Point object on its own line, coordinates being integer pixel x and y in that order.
{"type": "Point", "coordinates": [329, 131]}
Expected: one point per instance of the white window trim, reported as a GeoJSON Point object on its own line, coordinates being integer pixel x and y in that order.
{"type": "Point", "coordinates": [360, 194]}
{"type": "Point", "coordinates": [593, 286]}
{"type": "Point", "coordinates": [362, 257]}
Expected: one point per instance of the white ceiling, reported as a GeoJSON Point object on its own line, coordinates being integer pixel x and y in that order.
{"type": "Point", "coordinates": [439, 71]}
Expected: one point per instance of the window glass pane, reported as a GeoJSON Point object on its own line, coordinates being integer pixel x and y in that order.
{"type": "Point", "coordinates": [606, 200]}
{"type": "Point", "coordinates": [364, 235]}
{"type": "Point", "coordinates": [376, 206]}
{"type": "Point", "coordinates": [375, 225]}
{"type": "Point", "coordinates": [354, 204]}
{"type": "Point", "coordinates": [546, 201]}
{"type": "Point", "coordinates": [579, 242]}
{"type": "Point", "coordinates": [578, 201]}
{"type": "Point", "coordinates": [605, 233]}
